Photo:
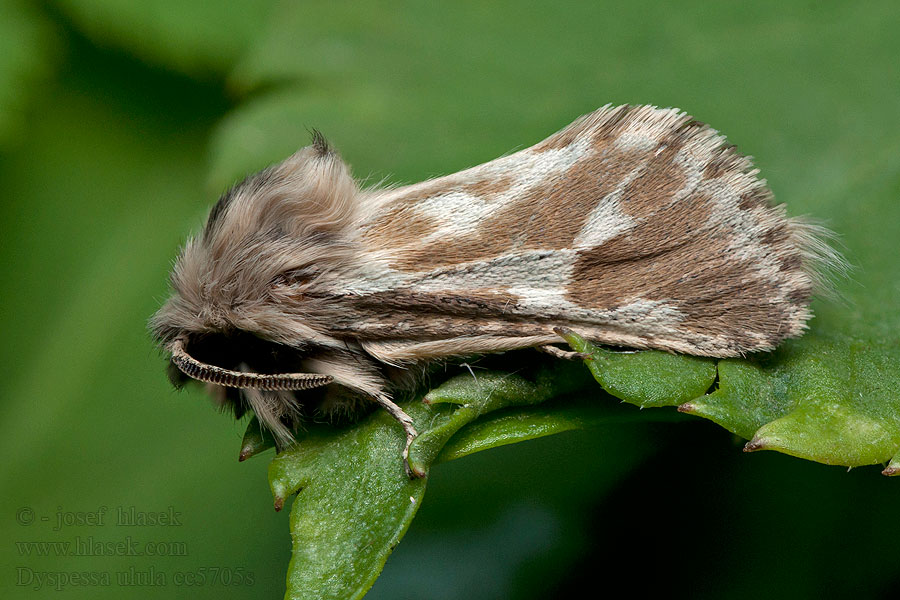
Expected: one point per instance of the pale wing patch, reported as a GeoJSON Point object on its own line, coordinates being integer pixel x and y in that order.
{"type": "Point", "coordinates": [607, 220]}
{"type": "Point", "coordinates": [455, 212]}
{"type": "Point", "coordinates": [449, 201]}
{"type": "Point", "coordinates": [462, 213]}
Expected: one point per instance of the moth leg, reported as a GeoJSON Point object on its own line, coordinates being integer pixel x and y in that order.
{"type": "Point", "coordinates": [406, 421]}
{"type": "Point", "coordinates": [564, 354]}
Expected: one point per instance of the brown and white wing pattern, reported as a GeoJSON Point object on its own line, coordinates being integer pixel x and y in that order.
{"type": "Point", "coordinates": [635, 226]}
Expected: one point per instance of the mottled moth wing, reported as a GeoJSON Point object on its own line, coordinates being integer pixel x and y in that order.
{"type": "Point", "coordinates": [635, 226]}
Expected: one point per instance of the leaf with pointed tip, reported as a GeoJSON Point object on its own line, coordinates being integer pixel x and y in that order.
{"type": "Point", "coordinates": [257, 439]}
{"type": "Point", "coordinates": [649, 378]}
{"type": "Point", "coordinates": [830, 399]}
{"type": "Point", "coordinates": [354, 504]}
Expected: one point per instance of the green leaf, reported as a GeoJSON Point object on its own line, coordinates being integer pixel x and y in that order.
{"type": "Point", "coordinates": [831, 400]}
{"type": "Point", "coordinates": [583, 411]}
{"type": "Point", "coordinates": [257, 439]}
{"type": "Point", "coordinates": [480, 394]}
{"type": "Point", "coordinates": [354, 504]}
{"type": "Point", "coordinates": [354, 499]}
{"type": "Point", "coordinates": [650, 378]}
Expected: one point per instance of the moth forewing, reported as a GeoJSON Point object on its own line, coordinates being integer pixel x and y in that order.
{"type": "Point", "coordinates": [634, 226]}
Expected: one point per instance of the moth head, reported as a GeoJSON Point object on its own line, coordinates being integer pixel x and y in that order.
{"type": "Point", "coordinates": [265, 242]}
{"type": "Point", "coordinates": [238, 314]}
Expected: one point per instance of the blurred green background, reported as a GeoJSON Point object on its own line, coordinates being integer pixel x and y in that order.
{"type": "Point", "coordinates": [121, 122]}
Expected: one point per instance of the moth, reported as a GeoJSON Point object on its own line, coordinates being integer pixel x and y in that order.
{"type": "Point", "coordinates": [634, 226]}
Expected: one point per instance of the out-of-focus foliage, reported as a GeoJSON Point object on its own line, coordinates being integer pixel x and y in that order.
{"type": "Point", "coordinates": [195, 37]}
{"type": "Point", "coordinates": [111, 165]}
{"type": "Point", "coordinates": [28, 50]}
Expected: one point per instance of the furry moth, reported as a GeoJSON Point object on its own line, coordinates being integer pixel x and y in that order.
{"type": "Point", "coordinates": [634, 226]}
